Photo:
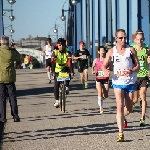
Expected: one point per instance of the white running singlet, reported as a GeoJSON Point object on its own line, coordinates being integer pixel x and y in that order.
{"type": "Point", "coordinates": [121, 64]}
{"type": "Point", "coordinates": [48, 52]}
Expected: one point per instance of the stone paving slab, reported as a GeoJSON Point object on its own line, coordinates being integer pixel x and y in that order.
{"type": "Point", "coordinates": [44, 127]}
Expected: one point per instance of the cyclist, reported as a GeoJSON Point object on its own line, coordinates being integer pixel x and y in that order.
{"type": "Point", "coordinates": [102, 82]}
{"type": "Point", "coordinates": [142, 80]}
{"type": "Point", "coordinates": [82, 56]}
{"type": "Point", "coordinates": [61, 61]}
{"type": "Point", "coordinates": [126, 65]}
{"type": "Point", "coordinates": [47, 52]}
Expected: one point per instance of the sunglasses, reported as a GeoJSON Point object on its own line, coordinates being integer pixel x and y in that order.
{"type": "Point", "coordinates": [122, 38]}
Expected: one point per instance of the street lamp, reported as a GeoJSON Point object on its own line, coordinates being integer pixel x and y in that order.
{"type": "Point", "coordinates": [74, 2]}
{"type": "Point", "coordinates": [11, 17]}
{"type": "Point", "coordinates": [12, 31]}
{"type": "Point", "coordinates": [11, 2]}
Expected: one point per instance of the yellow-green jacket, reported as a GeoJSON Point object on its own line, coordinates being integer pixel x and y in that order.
{"type": "Point", "coordinates": [7, 58]}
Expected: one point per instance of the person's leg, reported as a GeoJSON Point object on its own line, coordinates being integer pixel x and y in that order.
{"type": "Point", "coordinates": [56, 91]}
{"type": "Point", "coordinates": [67, 84]}
{"type": "Point", "coordinates": [13, 100]}
{"type": "Point", "coordinates": [2, 102]}
{"type": "Point", "coordinates": [136, 92]}
{"type": "Point", "coordinates": [119, 94]}
{"type": "Point", "coordinates": [143, 91]}
{"type": "Point", "coordinates": [86, 77]}
{"type": "Point", "coordinates": [80, 70]}
{"type": "Point", "coordinates": [99, 90]}
{"type": "Point", "coordinates": [105, 89]}
{"type": "Point", "coordinates": [128, 101]}
{"type": "Point", "coordinates": [48, 69]}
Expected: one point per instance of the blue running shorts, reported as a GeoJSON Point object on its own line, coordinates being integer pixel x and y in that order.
{"type": "Point", "coordinates": [126, 88]}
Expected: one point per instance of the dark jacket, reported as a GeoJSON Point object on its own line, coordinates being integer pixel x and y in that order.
{"type": "Point", "coordinates": [7, 58]}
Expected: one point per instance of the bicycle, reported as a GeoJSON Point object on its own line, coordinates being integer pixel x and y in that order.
{"type": "Point", "coordinates": [62, 77]}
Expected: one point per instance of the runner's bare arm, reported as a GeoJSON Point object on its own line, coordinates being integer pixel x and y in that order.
{"type": "Point", "coordinates": [110, 65]}
{"type": "Point", "coordinates": [137, 64]}
{"type": "Point", "coordinates": [107, 60]}
{"type": "Point", "coordinates": [43, 51]}
{"type": "Point", "coordinates": [148, 56]}
{"type": "Point", "coordinates": [93, 66]}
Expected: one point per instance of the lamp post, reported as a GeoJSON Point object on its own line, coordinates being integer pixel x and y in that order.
{"type": "Point", "coordinates": [11, 17]}
{"type": "Point", "coordinates": [56, 30]}
{"type": "Point", "coordinates": [63, 17]}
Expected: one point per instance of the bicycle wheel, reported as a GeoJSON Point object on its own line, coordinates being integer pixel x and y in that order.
{"type": "Point", "coordinates": [63, 97]}
{"type": "Point", "coordinates": [60, 96]}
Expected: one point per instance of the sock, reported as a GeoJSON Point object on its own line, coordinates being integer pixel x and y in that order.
{"type": "Point", "coordinates": [49, 75]}
{"type": "Point", "coordinates": [100, 102]}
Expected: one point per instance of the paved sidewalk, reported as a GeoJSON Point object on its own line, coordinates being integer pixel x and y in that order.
{"type": "Point", "coordinates": [44, 127]}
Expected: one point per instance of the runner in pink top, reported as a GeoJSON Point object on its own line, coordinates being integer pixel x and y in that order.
{"type": "Point", "coordinates": [102, 82]}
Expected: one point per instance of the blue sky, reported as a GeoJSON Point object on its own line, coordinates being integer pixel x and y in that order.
{"type": "Point", "coordinates": [37, 17]}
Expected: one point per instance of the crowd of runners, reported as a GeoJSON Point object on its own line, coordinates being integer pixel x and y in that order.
{"type": "Point", "coordinates": [130, 66]}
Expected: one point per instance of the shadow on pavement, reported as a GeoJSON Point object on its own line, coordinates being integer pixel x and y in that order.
{"type": "Point", "coordinates": [91, 129]}
{"type": "Point", "coordinates": [1, 134]}
{"type": "Point", "coordinates": [35, 91]}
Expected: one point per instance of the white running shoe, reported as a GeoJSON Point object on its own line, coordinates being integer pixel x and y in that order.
{"type": "Point", "coordinates": [56, 104]}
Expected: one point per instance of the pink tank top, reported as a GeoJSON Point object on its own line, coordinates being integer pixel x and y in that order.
{"type": "Point", "coordinates": [99, 74]}
{"type": "Point", "coordinates": [98, 64]}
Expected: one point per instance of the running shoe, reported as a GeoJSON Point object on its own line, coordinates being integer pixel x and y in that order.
{"type": "Point", "coordinates": [49, 81]}
{"type": "Point", "coordinates": [56, 104]}
{"type": "Point", "coordinates": [86, 85]}
{"type": "Point", "coordinates": [142, 122]}
{"type": "Point", "coordinates": [101, 110]}
{"type": "Point", "coordinates": [133, 105]}
{"type": "Point", "coordinates": [120, 137]}
{"type": "Point", "coordinates": [125, 123]}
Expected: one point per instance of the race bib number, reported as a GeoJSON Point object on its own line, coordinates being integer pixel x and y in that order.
{"type": "Point", "coordinates": [141, 64]}
{"type": "Point", "coordinates": [100, 73]}
{"type": "Point", "coordinates": [121, 73]}
{"type": "Point", "coordinates": [83, 56]}
{"type": "Point", "coordinates": [63, 77]}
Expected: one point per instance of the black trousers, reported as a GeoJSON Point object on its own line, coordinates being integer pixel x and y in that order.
{"type": "Point", "coordinates": [56, 87]}
{"type": "Point", "coordinates": [11, 89]}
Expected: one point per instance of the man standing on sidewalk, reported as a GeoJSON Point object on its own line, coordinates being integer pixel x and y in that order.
{"type": "Point", "coordinates": [7, 79]}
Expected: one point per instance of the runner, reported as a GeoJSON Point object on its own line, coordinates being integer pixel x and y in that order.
{"type": "Point", "coordinates": [142, 80]}
{"type": "Point", "coordinates": [102, 82]}
{"type": "Point", "coordinates": [61, 61]}
{"type": "Point", "coordinates": [126, 65]}
{"type": "Point", "coordinates": [135, 42]}
{"type": "Point", "coordinates": [82, 56]}
{"type": "Point", "coordinates": [47, 52]}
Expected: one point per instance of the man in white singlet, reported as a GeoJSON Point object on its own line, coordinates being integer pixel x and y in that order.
{"type": "Point", "coordinates": [47, 52]}
{"type": "Point", "coordinates": [126, 65]}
